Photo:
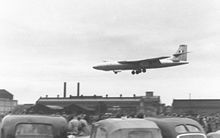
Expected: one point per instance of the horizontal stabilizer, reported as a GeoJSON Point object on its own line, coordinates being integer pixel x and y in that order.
{"type": "Point", "coordinates": [178, 54]}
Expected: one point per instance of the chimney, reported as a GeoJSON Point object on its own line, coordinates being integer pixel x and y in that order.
{"type": "Point", "coordinates": [64, 90]}
{"type": "Point", "coordinates": [78, 89]}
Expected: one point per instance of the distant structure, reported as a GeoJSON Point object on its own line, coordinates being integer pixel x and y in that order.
{"type": "Point", "coordinates": [196, 106]}
{"type": "Point", "coordinates": [148, 104]}
{"type": "Point", "coordinates": [7, 103]}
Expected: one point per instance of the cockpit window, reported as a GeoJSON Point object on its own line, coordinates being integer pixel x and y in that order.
{"type": "Point", "coordinates": [36, 130]}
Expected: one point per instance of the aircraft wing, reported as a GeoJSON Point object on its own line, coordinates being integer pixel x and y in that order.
{"type": "Point", "coordinates": [144, 60]}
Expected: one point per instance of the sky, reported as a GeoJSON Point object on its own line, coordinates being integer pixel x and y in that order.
{"type": "Point", "coordinates": [44, 43]}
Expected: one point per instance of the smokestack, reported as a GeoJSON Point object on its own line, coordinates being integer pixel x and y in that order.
{"type": "Point", "coordinates": [78, 89]}
{"type": "Point", "coordinates": [64, 90]}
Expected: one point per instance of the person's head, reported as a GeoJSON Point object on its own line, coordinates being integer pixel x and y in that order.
{"type": "Point", "coordinates": [78, 117]}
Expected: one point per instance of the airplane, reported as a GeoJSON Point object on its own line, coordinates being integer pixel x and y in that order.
{"type": "Point", "coordinates": [140, 66]}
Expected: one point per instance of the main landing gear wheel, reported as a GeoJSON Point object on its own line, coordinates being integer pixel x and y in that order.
{"type": "Point", "coordinates": [138, 71]}
{"type": "Point", "coordinates": [133, 72]}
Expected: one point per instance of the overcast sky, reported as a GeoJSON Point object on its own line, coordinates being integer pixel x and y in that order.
{"type": "Point", "coordinates": [44, 43]}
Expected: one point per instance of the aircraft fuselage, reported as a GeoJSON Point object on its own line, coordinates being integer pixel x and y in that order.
{"type": "Point", "coordinates": [119, 66]}
{"type": "Point", "coordinates": [138, 66]}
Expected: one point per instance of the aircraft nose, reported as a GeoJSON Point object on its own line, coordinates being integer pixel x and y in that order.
{"type": "Point", "coordinates": [95, 67]}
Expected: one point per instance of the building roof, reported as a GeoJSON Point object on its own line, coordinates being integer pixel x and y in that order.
{"type": "Point", "coordinates": [5, 94]}
{"type": "Point", "coordinates": [50, 100]}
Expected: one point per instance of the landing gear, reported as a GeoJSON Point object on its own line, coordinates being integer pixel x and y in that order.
{"type": "Point", "coordinates": [116, 72]}
{"type": "Point", "coordinates": [138, 71]}
{"type": "Point", "coordinates": [132, 72]}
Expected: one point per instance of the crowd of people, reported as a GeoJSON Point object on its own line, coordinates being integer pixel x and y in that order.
{"type": "Point", "coordinates": [80, 124]}
{"type": "Point", "coordinates": [210, 122]}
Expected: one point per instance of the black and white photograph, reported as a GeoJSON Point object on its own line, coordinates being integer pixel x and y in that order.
{"type": "Point", "coordinates": [109, 69]}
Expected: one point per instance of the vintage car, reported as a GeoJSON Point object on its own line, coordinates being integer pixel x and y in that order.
{"type": "Point", "coordinates": [215, 134]}
{"type": "Point", "coordinates": [125, 128]}
{"type": "Point", "coordinates": [35, 126]}
{"type": "Point", "coordinates": [179, 127]}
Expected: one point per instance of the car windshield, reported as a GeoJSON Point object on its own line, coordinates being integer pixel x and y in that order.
{"type": "Point", "coordinates": [33, 130]}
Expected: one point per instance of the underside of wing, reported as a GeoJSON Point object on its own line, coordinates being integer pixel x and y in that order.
{"type": "Point", "coordinates": [150, 60]}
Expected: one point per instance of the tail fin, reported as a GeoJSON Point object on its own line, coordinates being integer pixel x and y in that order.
{"type": "Point", "coordinates": [181, 54]}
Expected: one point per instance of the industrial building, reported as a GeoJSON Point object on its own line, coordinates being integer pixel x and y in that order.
{"type": "Point", "coordinates": [148, 103]}
{"type": "Point", "coordinates": [196, 106]}
{"type": "Point", "coordinates": [7, 103]}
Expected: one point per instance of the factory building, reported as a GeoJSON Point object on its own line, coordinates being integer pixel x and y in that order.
{"type": "Point", "coordinates": [148, 103]}
{"type": "Point", "coordinates": [7, 103]}
{"type": "Point", "coordinates": [196, 106]}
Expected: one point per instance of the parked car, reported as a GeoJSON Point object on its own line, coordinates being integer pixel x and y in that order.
{"type": "Point", "coordinates": [179, 127]}
{"type": "Point", "coordinates": [215, 134]}
{"type": "Point", "coordinates": [33, 126]}
{"type": "Point", "coordinates": [125, 128]}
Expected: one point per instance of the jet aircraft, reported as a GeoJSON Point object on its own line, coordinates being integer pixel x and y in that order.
{"type": "Point", "coordinates": [139, 66]}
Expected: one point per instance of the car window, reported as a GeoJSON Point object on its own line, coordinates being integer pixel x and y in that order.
{"type": "Point", "coordinates": [180, 129]}
{"type": "Point", "coordinates": [136, 133]}
{"type": "Point", "coordinates": [192, 128]}
{"type": "Point", "coordinates": [39, 130]}
{"type": "Point", "coordinates": [191, 135]}
{"type": "Point", "coordinates": [140, 134]}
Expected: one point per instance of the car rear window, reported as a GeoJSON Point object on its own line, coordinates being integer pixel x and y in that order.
{"type": "Point", "coordinates": [136, 133]}
{"type": "Point", "coordinates": [192, 128]}
{"type": "Point", "coordinates": [140, 134]}
{"type": "Point", "coordinates": [34, 130]}
{"type": "Point", "coordinates": [192, 135]}
{"type": "Point", "coordinates": [180, 129]}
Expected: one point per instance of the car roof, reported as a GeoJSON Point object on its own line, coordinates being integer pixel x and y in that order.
{"type": "Point", "coordinates": [168, 125]}
{"type": "Point", "coordinates": [15, 119]}
{"type": "Point", "coordinates": [114, 124]}
{"type": "Point", "coordinates": [174, 121]}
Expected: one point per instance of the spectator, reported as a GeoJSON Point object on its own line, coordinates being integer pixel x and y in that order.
{"type": "Point", "coordinates": [74, 126]}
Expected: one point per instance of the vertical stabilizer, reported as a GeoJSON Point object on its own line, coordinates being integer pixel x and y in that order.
{"type": "Point", "coordinates": [181, 54]}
